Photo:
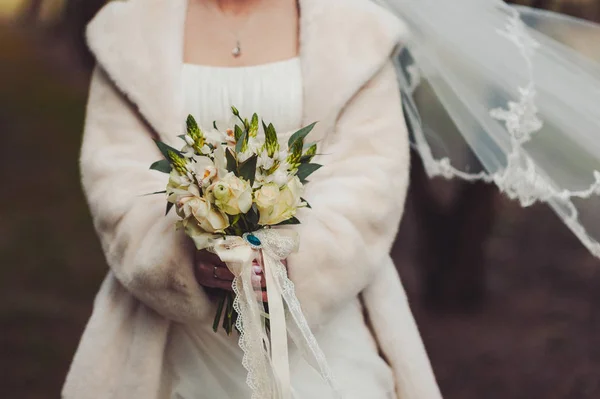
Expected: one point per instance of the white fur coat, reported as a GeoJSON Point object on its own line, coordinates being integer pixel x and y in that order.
{"type": "Point", "coordinates": [357, 198]}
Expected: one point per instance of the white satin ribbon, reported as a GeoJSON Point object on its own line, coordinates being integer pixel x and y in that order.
{"type": "Point", "coordinates": [266, 355]}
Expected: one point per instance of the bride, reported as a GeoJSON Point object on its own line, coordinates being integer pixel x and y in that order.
{"type": "Point", "coordinates": [293, 63]}
{"type": "Point", "coordinates": [296, 62]}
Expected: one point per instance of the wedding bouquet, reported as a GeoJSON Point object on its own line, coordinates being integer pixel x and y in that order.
{"type": "Point", "coordinates": [234, 183]}
{"type": "Point", "coordinates": [231, 188]}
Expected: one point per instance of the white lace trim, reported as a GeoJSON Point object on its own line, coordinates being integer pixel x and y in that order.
{"type": "Point", "coordinates": [520, 179]}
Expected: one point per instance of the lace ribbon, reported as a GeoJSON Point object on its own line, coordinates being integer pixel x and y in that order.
{"type": "Point", "coordinates": [266, 355]}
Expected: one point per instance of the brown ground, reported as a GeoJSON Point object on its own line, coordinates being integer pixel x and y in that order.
{"type": "Point", "coordinates": [536, 337]}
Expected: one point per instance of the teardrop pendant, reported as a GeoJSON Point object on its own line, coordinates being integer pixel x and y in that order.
{"type": "Point", "coordinates": [237, 50]}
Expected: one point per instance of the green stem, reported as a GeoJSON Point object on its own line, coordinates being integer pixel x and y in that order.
{"type": "Point", "coordinates": [219, 311]}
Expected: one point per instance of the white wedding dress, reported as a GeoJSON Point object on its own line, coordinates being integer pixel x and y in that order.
{"type": "Point", "coordinates": [208, 365]}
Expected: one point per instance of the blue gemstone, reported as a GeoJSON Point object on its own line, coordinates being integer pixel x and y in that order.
{"type": "Point", "coordinates": [252, 239]}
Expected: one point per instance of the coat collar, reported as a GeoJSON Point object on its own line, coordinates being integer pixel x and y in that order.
{"type": "Point", "coordinates": [139, 44]}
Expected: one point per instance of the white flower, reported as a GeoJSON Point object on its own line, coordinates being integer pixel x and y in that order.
{"type": "Point", "coordinates": [244, 156]}
{"type": "Point", "coordinates": [255, 144]}
{"type": "Point", "coordinates": [189, 140]}
{"type": "Point", "coordinates": [280, 177]}
{"type": "Point", "coordinates": [209, 218]}
{"type": "Point", "coordinates": [297, 190]}
{"type": "Point", "coordinates": [281, 155]}
{"type": "Point", "coordinates": [180, 187]}
{"type": "Point", "coordinates": [276, 205]}
{"type": "Point", "coordinates": [220, 161]}
{"type": "Point", "coordinates": [264, 161]}
{"type": "Point", "coordinates": [214, 137]}
{"type": "Point", "coordinates": [205, 149]}
{"type": "Point", "coordinates": [267, 196]}
{"type": "Point", "coordinates": [205, 170]}
{"type": "Point", "coordinates": [232, 195]}
{"type": "Point", "coordinates": [201, 238]}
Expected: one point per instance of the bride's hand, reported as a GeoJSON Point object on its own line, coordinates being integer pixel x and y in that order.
{"type": "Point", "coordinates": [211, 272]}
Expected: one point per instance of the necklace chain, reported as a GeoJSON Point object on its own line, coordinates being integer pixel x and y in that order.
{"type": "Point", "coordinates": [237, 50]}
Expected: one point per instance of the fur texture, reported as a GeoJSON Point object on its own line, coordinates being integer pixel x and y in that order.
{"type": "Point", "coordinates": [357, 198]}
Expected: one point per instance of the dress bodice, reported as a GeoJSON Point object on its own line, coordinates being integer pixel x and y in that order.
{"type": "Point", "coordinates": [273, 91]}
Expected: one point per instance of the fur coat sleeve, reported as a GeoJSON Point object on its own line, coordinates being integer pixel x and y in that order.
{"type": "Point", "coordinates": [147, 255]}
{"type": "Point", "coordinates": [357, 200]}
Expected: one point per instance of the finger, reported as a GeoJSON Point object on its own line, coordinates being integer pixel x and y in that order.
{"type": "Point", "coordinates": [205, 274]}
{"type": "Point", "coordinates": [222, 273]}
{"type": "Point", "coordinates": [209, 270]}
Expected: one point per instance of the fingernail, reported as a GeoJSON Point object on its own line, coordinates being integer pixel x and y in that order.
{"type": "Point", "coordinates": [257, 269]}
{"type": "Point", "coordinates": [255, 279]}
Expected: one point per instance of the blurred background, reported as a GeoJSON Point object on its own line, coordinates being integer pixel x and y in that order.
{"type": "Point", "coordinates": [506, 298]}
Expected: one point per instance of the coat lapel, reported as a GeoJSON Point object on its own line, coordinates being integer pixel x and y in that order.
{"type": "Point", "coordinates": [139, 43]}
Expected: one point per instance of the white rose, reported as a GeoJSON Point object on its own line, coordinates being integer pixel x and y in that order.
{"type": "Point", "coordinates": [201, 238]}
{"type": "Point", "coordinates": [267, 196]}
{"type": "Point", "coordinates": [279, 209]}
{"type": "Point", "coordinates": [232, 195]}
{"type": "Point", "coordinates": [297, 190]}
{"type": "Point", "coordinates": [209, 219]}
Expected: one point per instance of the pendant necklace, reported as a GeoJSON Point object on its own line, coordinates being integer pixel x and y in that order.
{"type": "Point", "coordinates": [236, 52]}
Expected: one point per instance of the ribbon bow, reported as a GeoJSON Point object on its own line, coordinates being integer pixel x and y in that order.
{"type": "Point", "coordinates": [265, 349]}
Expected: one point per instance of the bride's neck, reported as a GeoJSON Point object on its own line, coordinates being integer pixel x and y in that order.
{"type": "Point", "coordinates": [234, 6]}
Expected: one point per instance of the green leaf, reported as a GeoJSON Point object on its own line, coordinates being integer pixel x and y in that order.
{"type": "Point", "coordinates": [238, 133]}
{"type": "Point", "coordinates": [301, 134]}
{"type": "Point", "coordinates": [232, 165]}
{"type": "Point", "coordinates": [182, 137]}
{"type": "Point", "coordinates": [233, 219]}
{"type": "Point", "coordinates": [305, 201]}
{"type": "Point", "coordinates": [307, 169]}
{"type": "Point", "coordinates": [220, 306]}
{"type": "Point", "coordinates": [242, 142]}
{"type": "Point", "coordinates": [248, 169]}
{"type": "Point", "coordinates": [164, 149]}
{"type": "Point", "coordinates": [154, 193]}
{"type": "Point", "coordinates": [169, 206]}
{"type": "Point", "coordinates": [290, 221]}
{"type": "Point", "coordinates": [252, 217]}
{"type": "Point", "coordinates": [162, 166]}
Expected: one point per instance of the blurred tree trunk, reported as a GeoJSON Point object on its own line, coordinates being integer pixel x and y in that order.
{"type": "Point", "coordinates": [76, 15]}
{"type": "Point", "coordinates": [31, 11]}
{"type": "Point", "coordinates": [451, 251]}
